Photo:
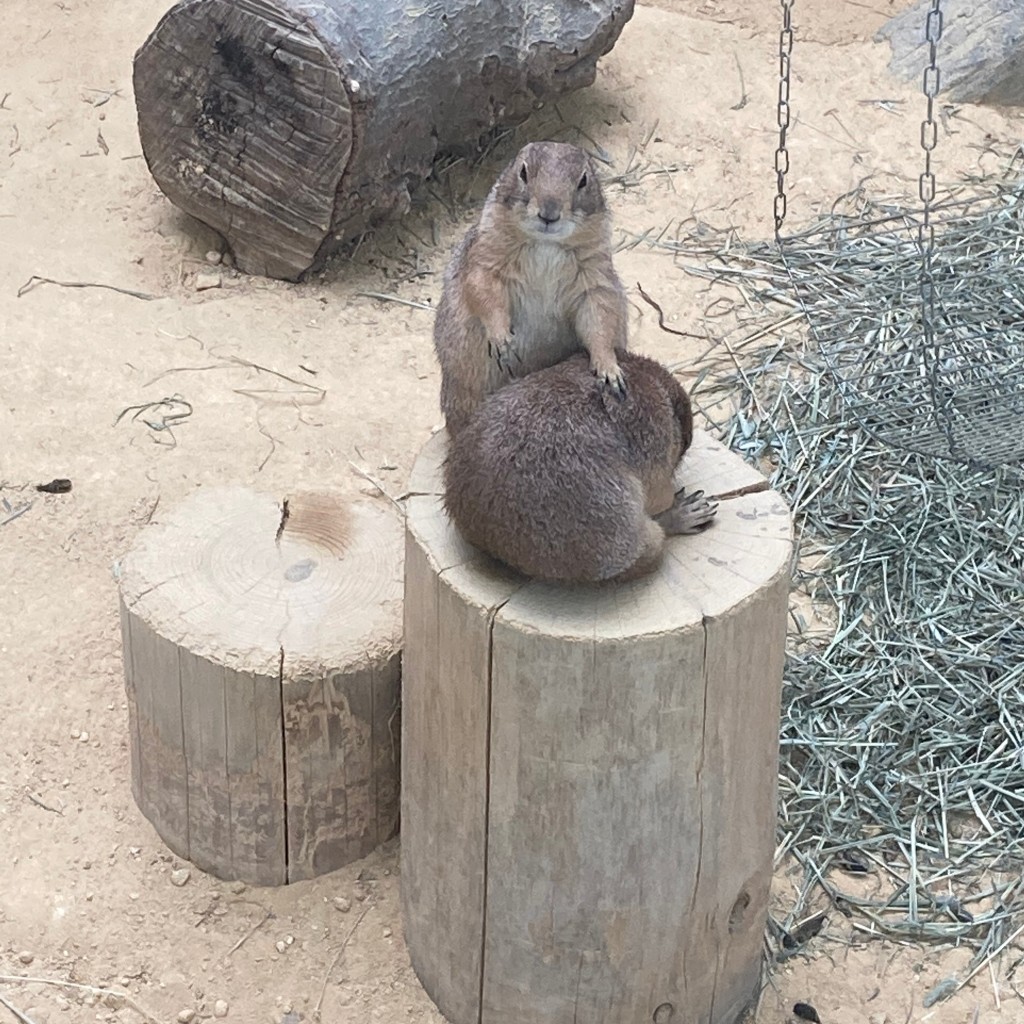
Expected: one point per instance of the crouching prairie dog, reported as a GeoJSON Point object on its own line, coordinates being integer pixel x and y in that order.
{"type": "Point", "coordinates": [531, 282]}
{"type": "Point", "coordinates": [562, 481]}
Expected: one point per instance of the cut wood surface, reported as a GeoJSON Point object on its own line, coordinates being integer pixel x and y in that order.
{"type": "Point", "coordinates": [290, 126]}
{"type": "Point", "coordinates": [261, 656]}
{"type": "Point", "coordinates": [980, 53]}
{"type": "Point", "coordinates": [589, 784]}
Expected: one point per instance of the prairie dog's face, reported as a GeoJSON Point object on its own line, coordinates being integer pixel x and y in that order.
{"type": "Point", "coordinates": [551, 189]}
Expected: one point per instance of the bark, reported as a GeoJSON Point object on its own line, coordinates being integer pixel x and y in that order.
{"type": "Point", "coordinates": [290, 126]}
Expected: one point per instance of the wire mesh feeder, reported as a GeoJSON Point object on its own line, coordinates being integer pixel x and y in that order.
{"type": "Point", "coordinates": [928, 354]}
{"type": "Point", "coordinates": [942, 379]}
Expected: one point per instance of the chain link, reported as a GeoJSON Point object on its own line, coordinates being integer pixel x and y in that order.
{"type": "Point", "coordinates": [926, 183]}
{"type": "Point", "coordinates": [929, 131]}
{"type": "Point", "coordinates": [932, 346]}
{"type": "Point", "coordinates": [783, 114]}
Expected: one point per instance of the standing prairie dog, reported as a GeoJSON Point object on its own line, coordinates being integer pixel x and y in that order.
{"type": "Point", "coordinates": [531, 282]}
{"type": "Point", "coordinates": [562, 481]}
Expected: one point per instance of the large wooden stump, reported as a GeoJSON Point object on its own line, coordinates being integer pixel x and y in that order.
{"type": "Point", "coordinates": [589, 774]}
{"type": "Point", "coordinates": [290, 126]}
{"type": "Point", "coordinates": [261, 654]}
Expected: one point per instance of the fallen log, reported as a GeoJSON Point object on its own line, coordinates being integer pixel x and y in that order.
{"type": "Point", "coordinates": [291, 126]}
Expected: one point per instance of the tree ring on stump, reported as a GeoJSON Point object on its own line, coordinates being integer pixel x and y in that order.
{"type": "Point", "coordinates": [262, 643]}
{"type": "Point", "coordinates": [246, 73]}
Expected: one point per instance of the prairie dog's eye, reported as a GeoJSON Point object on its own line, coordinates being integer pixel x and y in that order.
{"type": "Point", "coordinates": [583, 181]}
{"type": "Point", "coordinates": [523, 174]}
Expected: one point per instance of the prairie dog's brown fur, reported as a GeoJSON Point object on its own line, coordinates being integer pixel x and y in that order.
{"type": "Point", "coordinates": [531, 282]}
{"type": "Point", "coordinates": [562, 481]}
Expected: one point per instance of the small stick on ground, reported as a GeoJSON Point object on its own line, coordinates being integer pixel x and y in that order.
{"type": "Point", "coordinates": [336, 961]}
{"type": "Point", "coordinates": [45, 807]}
{"type": "Point", "coordinates": [19, 511]}
{"type": "Point", "coordinates": [35, 280]}
{"type": "Point", "coordinates": [167, 420]}
{"type": "Point", "coordinates": [384, 297]}
{"type": "Point", "coordinates": [743, 88]}
{"type": "Point", "coordinates": [105, 95]}
{"type": "Point", "coordinates": [270, 437]}
{"type": "Point", "coordinates": [380, 487]}
{"type": "Point", "coordinates": [17, 1013]}
{"type": "Point", "coordinates": [313, 391]}
{"type": "Point", "coordinates": [661, 317]}
{"type": "Point", "coordinates": [116, 993]}
{"type": "Point", "coordinates": [250, 933]}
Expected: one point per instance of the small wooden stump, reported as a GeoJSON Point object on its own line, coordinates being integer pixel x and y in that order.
{"type": "Point", "coordinates": [261, 654]}
{"type": "Point", "coordinates": [589, 791]}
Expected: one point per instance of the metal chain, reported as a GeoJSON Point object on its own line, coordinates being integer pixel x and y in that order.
{"type": "Point", "coordinates": [929, 127]}
{"type": "Point", "coordinates": [932, 347]}
{"type": "Point", "coordinates": [782, 153]}
{"type": "Point", "coordinates": [926, 185]}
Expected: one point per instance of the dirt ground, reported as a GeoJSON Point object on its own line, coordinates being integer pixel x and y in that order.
{"type": "Point", "coordinates": [86, 891]}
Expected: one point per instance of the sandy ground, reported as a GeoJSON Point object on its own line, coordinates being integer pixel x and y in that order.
{"type": "Point", "coordinates": [85, 888]}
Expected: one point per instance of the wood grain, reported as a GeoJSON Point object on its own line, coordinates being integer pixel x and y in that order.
{"type": "Point", "coordinates": [445, 738]}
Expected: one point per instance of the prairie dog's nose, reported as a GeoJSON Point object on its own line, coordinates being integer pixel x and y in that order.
{"type": "Point", "coordinates": [549, 211]}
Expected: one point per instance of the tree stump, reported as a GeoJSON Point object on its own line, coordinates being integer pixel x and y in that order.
{"type": "Point", "coordinates": [290, 126]}
{"type": "Point", "coordinates": [980, 54]}
{"type": "Point", "coordinates": [588, 802]}
{"type": "Point", "coordinates": [261, 652]}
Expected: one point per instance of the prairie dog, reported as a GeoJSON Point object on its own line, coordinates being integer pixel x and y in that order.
{"type": "Point", "coordinates": [562, 481]}
{"type": "Point", "coordinates": [531, 282]}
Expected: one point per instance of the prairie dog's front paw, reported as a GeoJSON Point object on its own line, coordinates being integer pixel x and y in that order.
{"type": "Point", "coordinates": [609, 373]}
{"type": "Point", "coordinates": [502, 349]}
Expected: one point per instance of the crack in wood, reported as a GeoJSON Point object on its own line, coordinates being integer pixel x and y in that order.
{"type": "Point", "coordinates": [284, 739]}
{"type": "Point", "coordinates": [285, 513]}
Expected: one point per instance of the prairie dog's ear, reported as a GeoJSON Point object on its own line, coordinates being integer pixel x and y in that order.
{"type": "Point", "coordinates": [513, 187]}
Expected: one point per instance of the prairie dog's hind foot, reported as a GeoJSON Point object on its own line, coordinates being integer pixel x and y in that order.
{"type": "Point", "coordinates": [690, 513]}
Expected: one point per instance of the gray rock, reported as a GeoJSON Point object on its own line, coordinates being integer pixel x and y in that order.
{"type": "Point", "coordinates": [980, 55]}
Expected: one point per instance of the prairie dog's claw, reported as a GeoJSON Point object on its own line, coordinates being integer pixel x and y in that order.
{"type": "Point", "coordinates": [502, 351]}
{"type": "Point", "coordinates": [612, 378]}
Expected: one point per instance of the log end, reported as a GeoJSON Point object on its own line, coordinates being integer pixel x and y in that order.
{"type": "Point", "coordinates": [708, 572]}
{"type": "Point", "coordinates": [246, 125]}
